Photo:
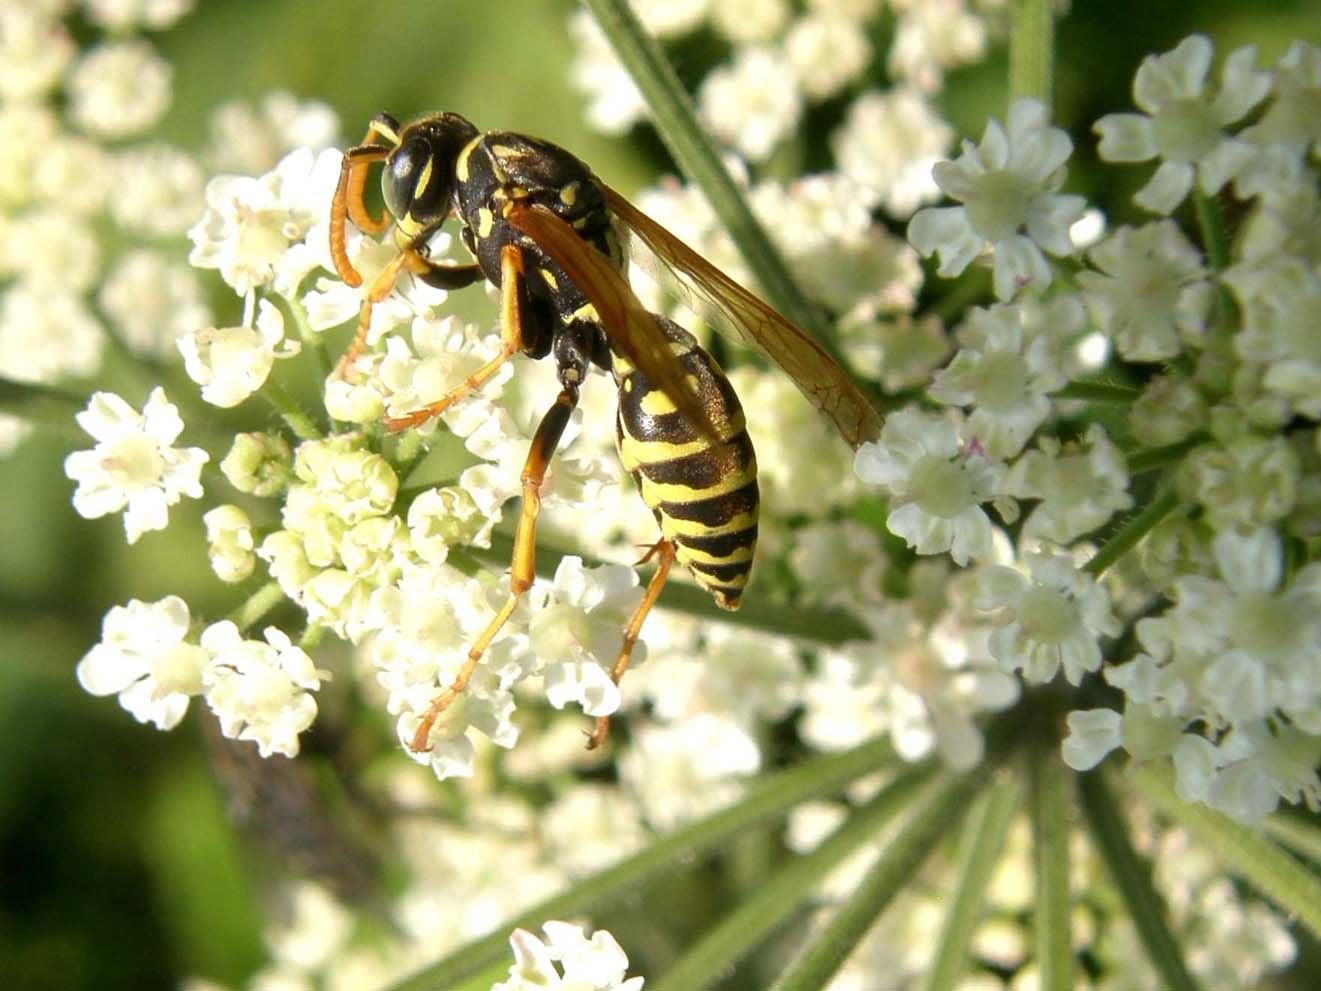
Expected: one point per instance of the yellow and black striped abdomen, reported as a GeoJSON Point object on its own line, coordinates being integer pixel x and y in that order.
{"type": "Point", "coordinates": [703, 492]}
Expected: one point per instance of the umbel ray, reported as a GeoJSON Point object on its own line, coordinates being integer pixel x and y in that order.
{"type": "Point", "coordinates": [554, 239]}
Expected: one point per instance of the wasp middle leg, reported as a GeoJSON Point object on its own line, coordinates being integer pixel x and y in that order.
{"type": "Point", "coordinates": [522, 569]}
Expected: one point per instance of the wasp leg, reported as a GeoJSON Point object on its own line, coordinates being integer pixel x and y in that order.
{"type": "Point", "coordinates": [511, 342]}
{"type": "Point", "coordinates": [348, 204]}
{"type": "Point", "coordinates": [663, 551]}
{"type": "Point", "coordinates": [522, 569]}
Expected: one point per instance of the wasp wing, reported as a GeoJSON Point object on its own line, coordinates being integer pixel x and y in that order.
{"type": "Point", "coordinates": [818, 376]}
{"type": "Point", "coordinates": [632, 327]}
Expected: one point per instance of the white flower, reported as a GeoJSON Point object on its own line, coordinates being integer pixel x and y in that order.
{"type": "Point", "coordinates": [1151, 285]}
{"type": "Point", "coordinates": [1007, 183]}
{"type": "Point", "coordinates": [250, 224]}
{"type": "Point", "coordinates": [576, 629]}
{"type": "Point", "coordinates": [1050, 618]}
{"type": "Point", "coordinates": [888, 144]}
{"type": "Point", "coordinates": [590, 826]}
{"type": "Point", "coordinates": [936, 486]}
{"type": "Point", "coordinates": [614, 103]}
{"type": "Point", "coordinates": [1291, 118]}
{"type": "Point", "coordinates": [35, 49]}
{"type": "Point", "coordinates": [1183, 122]}
{"type": "Point", "coordinates": [260, 691]}
{"type": "Point", "coordinates": [444, 352]}
{"type": "Point", "coordinates": [1004, 371]}
{"type": "Point", "coordinates": [125, 15]}
{"type": "Point", "coordinates": [231, 363]}
{"type": "Point", "coordinates": [144, 658]}
{"type": "Point", "coordinates": [157, 190]}
{"type": "Point", "coordinates": [752, 103]}
{"type": "Point", "coordinates": [931, 36]}
{"type": "Point", "coordinates": [249, 140]}
{"type": "Point", "coordinates": [595, 964]}
{"type": "Point", "coordinates": [443, 517]}
{"type": "Point", "coordinates": [827, 52]}
{"type": "Point", "coordinates": [47, 334]}
{"type": "Point", "coordinates": [1248, 482]}
{"type": "Point", "coordinates": [749, 21]}
{"type": "Point", "coordinates": [230, 542]}
{"type": "Point", "coordinates": [153, 300]}
{"type": "Point", "coordinates": [133, 467]}
{"type": "Point", "coordinates": [1093, 733]}
{"type": "Point", "coordinates": [1081, 487]}
{"type": "Point", "coordinates": [119, 89]}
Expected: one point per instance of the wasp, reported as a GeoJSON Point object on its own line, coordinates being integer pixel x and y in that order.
{"type": "Point", "coordinates": [555, 240]}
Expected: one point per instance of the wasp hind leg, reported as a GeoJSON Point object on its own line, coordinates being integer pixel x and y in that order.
{"type": "Point", "coordinates": [522, 569]}
{"type": "Point", "coordinates": [511, 339]}
{"type": "Point", "coordinates": [663, 551]}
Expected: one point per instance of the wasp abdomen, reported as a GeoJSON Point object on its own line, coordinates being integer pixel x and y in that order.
{"type": "Point", "coordinates": [702, 491]}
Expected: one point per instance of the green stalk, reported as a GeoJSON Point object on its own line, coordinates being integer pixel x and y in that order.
{"type": "Point", "coordinates": [699, 160]}
{"type": "Point", "coordinates": [1127, 536]}
{"type": "Point", "coordinates": [1031, 50]}
{"type": "Point", "coordinates": [1215, 239]}
{"type": "Point", "coordinates": [1300, 832]}
{"type": "Point", "coordinates": [1240, 850]}
{"type": "Point", "coordinates": [767, 798]}
{"type": "Point", "coordinates": [783, 894]}
{"type": "Point", "coordinates": [979, 851]}
{"type": "Point", "coordinates": [1048, 810]}
{"type": "Point", "coordinates": [299, 422]}
{"type": "Point", "coordinates": [1132, 876]}
{"type": "Point", "coordinates": [257, 605]}
{"type": "Point", "coordinates": [1151, 458]}
{"type": "Point", "coordinates": [938, 814]}
{"type": "Point", "coordinates": [47, 407]}
{"type": "Point", "coordinates": [312, 340]}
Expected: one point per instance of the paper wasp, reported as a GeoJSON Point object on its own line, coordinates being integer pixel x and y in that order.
{"type": "Point", "coordinates": [553, 238]}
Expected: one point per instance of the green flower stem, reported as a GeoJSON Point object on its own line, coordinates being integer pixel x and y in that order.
{"type": "Point", "coordinates": [312, 340]}
{"type": "Point", "coordinates": [1127, 536]}
{"type": "Point", "coordinates": [1048, 811]}
{"type": "Point", "coordinates": [299, 422]}
{"type": "Point", "coordinates": [1299, 832]}
{"type": "Point", "coordinates": [699, 160]}
{"type": "Point", "coordinates": [257, 606]}
{"type": "Point", "coordinates": [1150, 458]}
{"type": "Point", "coordinates": [1132, 876]}
{"type": "Point", "coordinates": [766, 799]}
{"type": "Point", "coordinates": [1098, 392]}
{"type": "Point", "coordinates": [44, 406]}
{"type": "Point", "coordinates": [1243, 851]}
{"type": "Point", "coordinates": [1031, 50]}
{"type": "Point", "coordinates": [937, 815]}
{"type": "Point", "coordinates": [979, 850]}
{"type": "Point", "coordinates": [820, 625]}
{"type": "Point", "coordinates": [784, 893]}
{"type": "Point", "coordinates": [1215, 239]}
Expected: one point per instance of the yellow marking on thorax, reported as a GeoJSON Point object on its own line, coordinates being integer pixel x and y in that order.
{"type": "Point", "coordinates": [549, 278]}
{"type": "Point", "coordinates": [461, 163]}
{"type": "Point", "coordinates": [485, 222]}
{"type": "Point", "coordinates": [587, 313]}
{"type": "Point", "coordinates": [569, 193]}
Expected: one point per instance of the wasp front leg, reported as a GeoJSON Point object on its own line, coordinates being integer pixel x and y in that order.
{"type": "Point", "coordinates": [512, 294]}
{"type": "Point", "coordinates": [522, 569]}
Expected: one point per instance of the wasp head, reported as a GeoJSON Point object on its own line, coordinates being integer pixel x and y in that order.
{"type": "Point", "coordinates": [419, 174]}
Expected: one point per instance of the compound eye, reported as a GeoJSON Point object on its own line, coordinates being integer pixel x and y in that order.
{"type": "Point", "coordinates": [399, 182]}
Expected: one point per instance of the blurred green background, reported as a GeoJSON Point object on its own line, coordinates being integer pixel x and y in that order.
{"type": "Point", "coordinates": [120, 866]}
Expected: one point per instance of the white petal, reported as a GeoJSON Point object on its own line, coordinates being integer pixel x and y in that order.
{"type": "Point", "coordinates": [1125, 138]}
{"type": "Point", "coordinates": [1166, 189]}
